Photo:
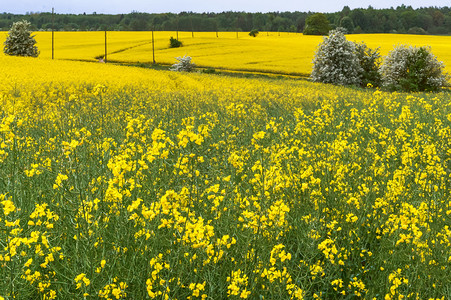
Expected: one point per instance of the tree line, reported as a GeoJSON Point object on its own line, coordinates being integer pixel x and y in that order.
{"type": "Point", "coordinates": [402, 19]}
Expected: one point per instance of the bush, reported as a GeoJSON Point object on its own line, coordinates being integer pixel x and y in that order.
{"type": "Point", "coordinates": [209, 71]}
{"type": "Point", "coordinates": [19, 41]}
{"type": "Point", "coordinates": [408, 68]}
{"type": "Point", "coordinates": [369, 60]}
{"type": "Point", "coordinates": [174, 43]}
{"type": "Point", "coordinates": [342, 62]}
{"type": "Point", "coordinates": [336, 61]}
{"type": "Point", "coordinates": [253, 33]}
{"type": "Point", "coordinates": [416, 30]}
{"type": "Point", "coordinates": [184, 64]}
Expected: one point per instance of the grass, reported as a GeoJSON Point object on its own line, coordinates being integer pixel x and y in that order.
{"type": "Point", "coordinates": [120, 182]}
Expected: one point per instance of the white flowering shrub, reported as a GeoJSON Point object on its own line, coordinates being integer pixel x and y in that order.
{"type": "Point", "coordinates": [184, 64]}
{"type": "Point", "coordinates": [336, 61]}
{"type": "Point", "coordinates": [19, 41]}
{"type": "Point", "coordinates": [408, 68]}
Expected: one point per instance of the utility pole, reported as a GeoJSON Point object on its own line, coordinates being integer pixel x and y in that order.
{"type": "Point", "coordinates": [53, 33]}
{"type": "Point", "coordinates": [153, 48]}
{"type": "Point", "coordinates": [105, 58]}
{"type": "Point", "coordinates": [177, 27]}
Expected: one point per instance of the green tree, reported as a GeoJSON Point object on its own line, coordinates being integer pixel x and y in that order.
{"type": "Point", "coordinates": [345, 11]}
{"type": "Point", "coordinates": [359, 19]}
{"type": "Point", "coordinates": [19, 41]}
{"type": "Point", "coordinates": [346, 23]}
{"type": "Point", "coordinates": [138, 24]}
{"type": "Point", "coordinates": [316, 24]}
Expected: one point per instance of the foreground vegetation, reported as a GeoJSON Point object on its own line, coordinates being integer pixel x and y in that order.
{"type": "Point", "coordinates": [129, 183]}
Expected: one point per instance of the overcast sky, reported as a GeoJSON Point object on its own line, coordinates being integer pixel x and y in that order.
{"type": "Point", "coordinates": [159, 6]}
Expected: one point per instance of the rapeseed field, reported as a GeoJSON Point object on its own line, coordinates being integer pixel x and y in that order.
{"type": "Point", "coordinates": [120, 182]}
{"type": "Point", "coordinates": [287, 53]}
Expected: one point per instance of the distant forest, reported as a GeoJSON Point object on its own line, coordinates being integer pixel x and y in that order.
{"type": "Point", "coordinates": [402, 19]}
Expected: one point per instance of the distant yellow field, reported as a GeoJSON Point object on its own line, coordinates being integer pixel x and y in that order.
{"type": "Point", "coordinates": [269, 52]}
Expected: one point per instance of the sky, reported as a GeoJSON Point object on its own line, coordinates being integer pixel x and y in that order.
{"type": "Point", "coordinates": [175, 6]}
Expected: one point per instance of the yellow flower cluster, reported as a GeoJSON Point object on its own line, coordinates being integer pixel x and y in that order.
{"type": "Point", "coordinates": [82, 280]}
{"type": "Point", "coordinates": [238, 285]}
{"type": "Point", "coordinates": [119, 182]}
{"type": "Point", "coordinates": [114, 291]}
